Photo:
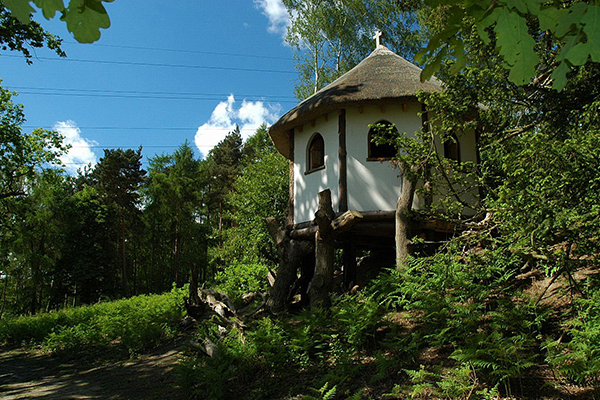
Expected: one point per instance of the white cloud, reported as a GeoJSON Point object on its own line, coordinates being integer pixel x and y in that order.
{"type": "Point", "coordinates": [279, 18]}
{"type": "Point", "coordinates": [249, 116]}
{"type": "Point", "coordinates": [80, 154]}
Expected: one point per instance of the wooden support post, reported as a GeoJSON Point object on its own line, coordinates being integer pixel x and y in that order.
{"type": "Point", "coordinates": [343, 164]}
{"type": "Point", "coordinates": [291, 255]}
{"type": "Point", "coordinates": [290, 206]}
{"type": "Point", "coordinates": [322, 281]}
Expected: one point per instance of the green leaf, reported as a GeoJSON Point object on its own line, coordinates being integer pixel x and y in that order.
{"type": "Point", "coordinates": [433, 65]}
{"type": "Point", "coordinates": [515, 45]}
{"type": "Point", "coordinates": [533, 6]}
{"type": "Point", "coordinates": [560, 76]}
{"type": "Point", "coordinates": [591, 27]}
{"type": "Point", "coordinates": [20, 9]}
{"type": "Point", "coordinates": [569, 20]}
{"type": "Point", "coordinates": [551, 17]}
{"type": "Point", "coordinates": [519, 5]}
{"type": "Point", "coordinates": [487, 21]}
{"type": "Point", "coordinates": [85, 18]}
{"type": "Point", "coordinates": [50, 7]}
{"type": "Point", "coordinates": [578, 54]}
{"type": "Point", "coordinates": [569, 45]}
{"type": "Point", "coordinates": [459, 53]}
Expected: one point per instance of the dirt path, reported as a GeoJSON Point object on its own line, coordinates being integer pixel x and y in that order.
{"type": "Point", "coordinates": [25, 375]}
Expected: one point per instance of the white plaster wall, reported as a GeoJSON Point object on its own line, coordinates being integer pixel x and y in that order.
{"type": "Point", "coordinates": [372, 185]}
{"type": "Point", "coordinates": [307, 186]}
{"type": "Point", "coordinates": [375, 185]}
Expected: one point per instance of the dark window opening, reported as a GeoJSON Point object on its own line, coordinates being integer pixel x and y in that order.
{"type": "Point", "coordinates": [452, 148]}
{"type": "Point", "coordinates": [387, 131]}
{"type": "Point", "coordinates": [316, 153]}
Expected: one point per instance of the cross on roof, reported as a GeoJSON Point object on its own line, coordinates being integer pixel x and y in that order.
{"type": "Point", "coordinates": [377, 38]}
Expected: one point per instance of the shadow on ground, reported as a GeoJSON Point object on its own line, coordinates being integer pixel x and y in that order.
{"type": "Point", "coordinates": [25, 375]}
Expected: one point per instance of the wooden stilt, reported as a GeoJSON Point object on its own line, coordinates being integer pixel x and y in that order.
{"type": "Point", "coordinates": [322, 281]}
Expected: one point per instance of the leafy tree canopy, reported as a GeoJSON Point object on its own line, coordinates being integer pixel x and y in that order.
{"type": "Point", "coordinates": [329, 37]}
{"type": "Point", "coordinates": [21, 153]}
{"type": "Point", "coordinates": [84, 18]}
{"type": "Point", "coordinates": [516, 28]}
{"type": "Point", "coordinates": [18, 36]}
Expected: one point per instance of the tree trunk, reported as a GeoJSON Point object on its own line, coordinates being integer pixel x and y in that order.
{"type": "Point", "coordinates": [123, 258]}
{"type": "Point", "coordinates": [403, 207]}
{"type": "Point", "coordinates": [322, 281]}
{"type": "Point", "coordinates": [291, 253]}
{"type": "Point", "coordinates": [3, 307]}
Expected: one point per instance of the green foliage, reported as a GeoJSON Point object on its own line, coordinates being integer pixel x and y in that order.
{"type": "Point", "coordinates": [175, 238]}
{"type": "Point", "coordinates": [324, 393]}
{"type": "Point", "coordinates": [281, 347]}
{"type": "Point", "coordinates": [577, 356]}
{"type": "Point", "coordinates": [517, 27]}
{"type": "Point", "coordinates": [470, 305]}
{"type": "Point", "coordinates": [18, 36]}
{"type": "Point", "coordinates": [21, 153]}
{"type": "Point", "coordinates": [330, 37]}
{"type": "Point", "coordinates": [458, 382]}
{"type": "Point", "coordinates": [134, 324]}
{"type": "Point", "coordinates": [240, 278]}
{"type": "Point", "coordinates": [84, 19]}
{"type": "Point", "coordinates": [261, 192]}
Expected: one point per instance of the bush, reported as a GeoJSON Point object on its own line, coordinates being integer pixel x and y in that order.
{"type": "Point", "coordinates": [239, 278]}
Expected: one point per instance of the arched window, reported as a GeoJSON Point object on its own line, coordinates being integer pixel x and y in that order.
{"type": "Point", "coordinates": [316, 153]}
{"type": "Point", "coordinates": [384, 151]}
{"type": "Point", "coordinates": [452, 148]}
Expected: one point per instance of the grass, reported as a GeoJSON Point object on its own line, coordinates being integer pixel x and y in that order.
{"type": "Point", "coordinates": [132, 324]}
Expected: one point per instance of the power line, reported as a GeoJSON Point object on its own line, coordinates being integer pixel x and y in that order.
{"type": "Point", "coordinates": [137, 128]}
{"type": "Point", "coordinates": [126, 128]}
{"type": "Point", "coordinates": [220, 95]}
{"type": "Point", "coordinates": [146, 64]}
{"type": "Point", "coordinates": [183, 51]}
{"type": "Point", "coordinates": [144, 95]}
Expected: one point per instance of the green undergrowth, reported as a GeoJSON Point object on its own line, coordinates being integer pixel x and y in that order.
{"type": "Point", "coordinates": [453, 326]}
{"type": "Point", "coordinates": [132, 325]}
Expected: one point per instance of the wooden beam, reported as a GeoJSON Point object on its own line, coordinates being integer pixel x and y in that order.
{"type": "Point", "coordinates": [378, 215]}
{"type": "Point", "coordinates": [346, 221]}
{"type": "Point", "coordinates": [290, 207]}
{"type": "Point", "coordinates": [304, 233]}
{"type": "Point", "coordinates": [343, 165]}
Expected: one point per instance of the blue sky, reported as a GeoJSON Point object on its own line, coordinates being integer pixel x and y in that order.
{"type": "Point", "coordinates": [161, 74]}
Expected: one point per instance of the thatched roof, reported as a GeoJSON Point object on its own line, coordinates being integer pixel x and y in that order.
{"type": "Point", "coordinates": [380, 77]}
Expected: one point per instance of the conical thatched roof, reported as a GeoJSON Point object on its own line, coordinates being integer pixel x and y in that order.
{"type": "Point", "coordinates": [382, 76]}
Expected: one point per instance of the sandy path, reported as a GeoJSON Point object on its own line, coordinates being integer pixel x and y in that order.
{"type": "Point", "coordinates": [26, 375]}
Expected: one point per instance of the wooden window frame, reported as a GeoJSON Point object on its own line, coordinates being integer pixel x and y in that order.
{"type": "Point", "coordinates": [452, 148]}
{"type": "Point", "coordinates": [313, 165]}
{"type": "Point", "coordinates": [375, 155]}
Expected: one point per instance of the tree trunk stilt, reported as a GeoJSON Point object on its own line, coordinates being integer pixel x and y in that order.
{"type": "Point", "coordinates": [291, 254]}
{"type": "Point", "coordinates": [402, 218]}
{"type": "Point", "coordinates": [322, 281]}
